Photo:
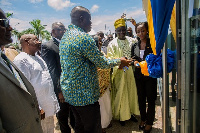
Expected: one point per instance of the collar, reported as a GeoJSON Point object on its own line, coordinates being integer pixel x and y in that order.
{"type": "Point", "coordinates": [0, 53]}
{"type": "Point", "coordinates": [126, 38]}
{"type": "Point", "coordinates": [1, 59]}
{"type": "Point", "coordinates": [72, 26]}
{"type": "Point", "coordinates": [57, 39]}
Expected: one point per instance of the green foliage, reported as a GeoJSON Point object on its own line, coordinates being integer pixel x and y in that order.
{"type": "Point", "coordinates": [8, 15]}
{"type": "Point", "coordinates": [37, 29]}
{"type": "Point", "coordinates": [16, 45]}
{"type": "Point", "coordinates": [16, 33]}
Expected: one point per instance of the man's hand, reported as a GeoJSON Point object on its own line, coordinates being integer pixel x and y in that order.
{"type": "Point", "coordinates": [61, 97]}
{"type": "Point", "coordinates": [120, 66]}
{"type": "Point", "coordinates": [133, 22]}
{"type": "Point", "coordinates": [124, 62]}
{"type": "Point", "coordinates": [42, 114]}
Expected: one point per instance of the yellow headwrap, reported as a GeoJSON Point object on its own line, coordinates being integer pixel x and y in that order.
{"type": "Point", "coordinates": [119, 23]}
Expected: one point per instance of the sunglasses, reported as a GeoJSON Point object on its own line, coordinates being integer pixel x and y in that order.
{"type": "Point", "coordinates": [5, 23]}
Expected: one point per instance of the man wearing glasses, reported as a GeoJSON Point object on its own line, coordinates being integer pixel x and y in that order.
{"type": "Point", "coordinates": [19, 110]}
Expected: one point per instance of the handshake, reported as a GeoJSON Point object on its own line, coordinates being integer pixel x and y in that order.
{"type": "Point", "coordinates": [124, 62]}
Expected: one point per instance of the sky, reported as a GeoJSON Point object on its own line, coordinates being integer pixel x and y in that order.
{"type": "Point", "coordinates": [103, 12]}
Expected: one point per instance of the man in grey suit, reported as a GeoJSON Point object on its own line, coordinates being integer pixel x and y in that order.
{"type": "Point", "coordinates": [50, 54]}
{"type": "Point", "coordinates": [19, 112]}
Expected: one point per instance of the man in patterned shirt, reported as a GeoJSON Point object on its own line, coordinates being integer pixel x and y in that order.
{"type": "Point", "coordinates": [79, 58]}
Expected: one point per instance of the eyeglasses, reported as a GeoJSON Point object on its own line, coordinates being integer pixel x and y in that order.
{"type": "Point", "coordinates": [5, 23]}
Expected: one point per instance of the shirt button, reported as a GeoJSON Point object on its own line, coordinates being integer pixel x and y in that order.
{"type": "Point", "coordinates": [33, 105]}
{"type": "Point", "coordinates": [37, 119]}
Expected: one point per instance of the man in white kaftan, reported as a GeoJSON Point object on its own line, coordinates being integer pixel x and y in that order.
{"type": "Point", "coordinates": [36, 71]}
{"type": "Point", "coordinates": [124, 98]}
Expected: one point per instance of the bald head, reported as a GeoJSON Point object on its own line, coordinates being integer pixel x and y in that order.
{"type": "Point", "coordinates": [25, 38]}
{"type": "Point", "coordinates": [58, 29]}
{"type": "Point", "coordinates": [56, 25]}
{"type": "Point", "coordinates": [81, 17]}
{"type": "Point", "coordinates": [78, 11]}
{"type": "Point", "coordinates": [30, 44]}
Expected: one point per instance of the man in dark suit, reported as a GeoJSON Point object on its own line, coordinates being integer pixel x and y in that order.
{"type": "Point", "coordinates": [50, 54]}
{"type": "Point", "coordinates": [19, 110]}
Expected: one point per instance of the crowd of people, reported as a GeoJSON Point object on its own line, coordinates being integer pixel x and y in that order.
{"type": "Point", "coordinates": [86, 81]}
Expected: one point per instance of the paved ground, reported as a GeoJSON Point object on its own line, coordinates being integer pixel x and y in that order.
{"type": "Point", "coordinates": [132, 127]}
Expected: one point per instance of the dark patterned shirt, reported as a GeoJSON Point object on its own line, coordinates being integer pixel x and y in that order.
{"type": "Point", "coordinates": [79, 58]}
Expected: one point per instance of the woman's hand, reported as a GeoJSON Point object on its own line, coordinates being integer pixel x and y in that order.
{"type": "Point", "coordinates": [136, 64]}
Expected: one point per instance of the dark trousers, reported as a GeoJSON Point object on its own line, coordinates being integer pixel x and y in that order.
{"type": "Point", "coordinates": [147, 90]}
{"type": "Point", "coordinates": [63, 115]}
{"type": "Point", "coordinates": [87, 118]}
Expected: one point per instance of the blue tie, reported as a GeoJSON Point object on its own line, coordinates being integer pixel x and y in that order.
{"type": "Point", "coordinates": [6, 61]}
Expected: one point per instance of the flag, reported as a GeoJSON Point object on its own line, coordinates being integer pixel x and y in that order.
{"type": "Point", "coordinates": [159, 16]}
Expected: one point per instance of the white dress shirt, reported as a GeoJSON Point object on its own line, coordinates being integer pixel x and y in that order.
{"type": "Point", "coordinates": [36, 71]}
{"type": "Point", "coordinates": [57, 39]}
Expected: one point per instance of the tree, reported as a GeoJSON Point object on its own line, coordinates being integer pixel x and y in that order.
{"type": "Point", "coordinates": [16, 33]}
{"type": "Point", "coordinates": [38, 30]}
{"type": "Point", "coordinates": [8, 15]}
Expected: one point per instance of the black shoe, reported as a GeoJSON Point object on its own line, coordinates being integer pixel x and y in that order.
{"type": "Point", "coordinates": [110, 125]}
{"type": "Point", "coordinates": [141, 127]}
{"type": "Point", "coordinates": [103, 131]}
{"type": "Point", "coordinates": [122, 123]}
{"type": "Point", "coordinates": [147, 131]}
{"type": "Point", "coordinates": [133, 118]}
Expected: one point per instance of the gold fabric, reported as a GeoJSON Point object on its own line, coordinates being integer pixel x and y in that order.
{"type": "Point", "coordinates": [104, 80]}
{"type": "Point", "coordinates": [144, 69]}
{"type": "Point", "coordinates": [11, 53]}
{"type": "Point", "coordinates": [151, 28]}
{"type": "Point", "coordinates": [173, 21]}
{"type": "Point", "coordinates": [119, 23]}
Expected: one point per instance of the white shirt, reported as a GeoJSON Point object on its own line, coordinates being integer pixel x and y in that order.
{"type": "Point", "coordinates": [57, 39]}
{"type": "Point", "coordinates": [141, 54]}
{"type": "Point", "coordinates": [36, 71]}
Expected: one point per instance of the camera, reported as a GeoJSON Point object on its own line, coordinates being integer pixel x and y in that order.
{"type": "Point", "coordinates": [127, 19]}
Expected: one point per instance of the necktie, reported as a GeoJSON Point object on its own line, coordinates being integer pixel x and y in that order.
{"type": "Point", "coordinates": [56, 42]}
{"type": "Point", "coordinates": [6, 61]}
